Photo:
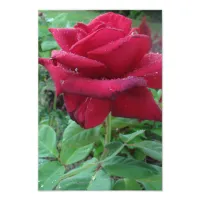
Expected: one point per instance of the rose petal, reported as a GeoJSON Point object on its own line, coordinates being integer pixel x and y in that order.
{"type": "Point", "coordinates": [100, 88]}
{"type": "Point", "coordinates": [96, 39]}
{"type": "Point", "coordinates": [137, 103]}
{"type": "Point", "coordinates": [66, 37]}
{"type": "Point", "coordinates": [57, 72]}
{"type": "Point", "coordinates": [96, 112]}
{"type": "Point", "coordinates": [151, 70]}
{"type": "Point", "coordinates": [113, 20]}
{"type": "Point", "coordinates": [160, 101]}
{"type": "Point", "coordinates": [72, 101]}
{"type": "Point", "coordinates": [100, 26]}
{"type": "Point", "coordinates": [144, 28]}
{"type": "Point", "coordinates": [82, 26]}
{"type": "Point", "coordinates": [85, 66]}
{"type": "Point", "coordinates": [92, 112]}
{"type": "Point", "coordinates": [121, 55]}
{"type": "Point", "coordinates": [79, 114]}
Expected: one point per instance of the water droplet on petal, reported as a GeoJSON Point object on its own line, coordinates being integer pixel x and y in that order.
{"type": "Point", "coordinates": [62, 82]}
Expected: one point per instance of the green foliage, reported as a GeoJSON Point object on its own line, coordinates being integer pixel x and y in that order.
{"type": "Point", "coordinates": [152, 183]}
{"type": "Point", "coordinates": [100, 181]}
{"type": "Point", "coordinates": [75, 136]}
{"type": "Point", "coordinates": [129, 168]}
{"type": "Point", "coordinates": [80, 178]}
{"type": "Point", "coordinates": [150, 148]}
{"type": "Point", "coordinates": [47, 142]}
{"type": "Point", "coordinates": [48, 45]}
{"type": "Point", "coordinates": [49, 174]}
{"type": "Point", "coordinates": [129, 137]}
{"type": "Point", "coordinates": [70, 157]}
{"type": "Point", "coordinates": [127, 184]}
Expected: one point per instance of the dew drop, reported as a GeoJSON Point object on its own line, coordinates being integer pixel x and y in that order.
{"type": "Point", "coordinates": [62, 82]}
{"type": "Point", "coordinates": [76, 69]}
{"type": "Point", "coordinates": [134, 32]}
{"type": "Point", "coordinates": [42, 186]}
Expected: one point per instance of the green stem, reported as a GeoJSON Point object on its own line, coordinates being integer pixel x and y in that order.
{"type": "Point", "coordinates": [54, 108]}
{"type": "Point", "coordinates": [107, 135]}
{"type": "Point", "coordinates": [108, 129]}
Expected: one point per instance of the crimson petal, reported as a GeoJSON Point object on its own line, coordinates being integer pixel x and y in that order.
{"type": "Point", "coordinates": [82, 26]}
{"type": "Point", "coordinates": [57, 72]}
{"type": "Point", "coordinates": [96, 112]}
{"type": "Point", "coordinates": [92, 112]}
{"type": "Point", "coordinates": [144, 28]}
{"type": "Point", "coordinates": [100, 88]}
{"type": "Point", "coordinates": [151, 70]}
{"type": "Point", "coordinates": [113, 20]}
{"type": "Point", "coordinates": [85, 66]}
{"type": "Point", "coordinates": [72, 102]}
{"type": "Point", "coordinates": [121, 55]}
{"type": "Point", "coordinates": [137, 103]}
{"type": "Point", "coordinates": [96, 39]}
{"type": "Point", "coordinates": [66, 37]}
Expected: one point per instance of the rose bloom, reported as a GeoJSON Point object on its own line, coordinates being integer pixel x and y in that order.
{"type": "Point", "coordinates": [106, 66]}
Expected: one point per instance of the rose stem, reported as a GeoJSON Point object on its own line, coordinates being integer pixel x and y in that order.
{"type": "Point", "coordinates": [108, 129]}
{"type": "Point", "coordinates": [54, 108]}
{"type": "Point", "coordinates": [107, 135]}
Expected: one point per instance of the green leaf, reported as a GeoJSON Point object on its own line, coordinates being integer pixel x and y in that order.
{"type": "Point", "coordinates": [42, 161]}
{"type": "Point", "coordinates": [72, 155]}
{"type": "Point", "coordinates": [127, 184]}
{"type": "Point", "coordinates": [157, 131]}
{"type": "Point", "coordinates": [154, 92]}
{"type": "Point", "coordinates": [131, 184]}
{"type": "Point", "coordinates": [49, 174]}
{"type": "Point", "coordinates": [92, 163]}
{"type": "Point", "coordinates": [100, 181]}
{"type": "Point", "coordinates": [61, 21]}
{"type": "Point", "coordinates": [119, 122]}
{"type": "Point", "coordinates": [119, 185]}
{"type": "Point", "coordinates": [87, 179]}
{"type": "Point", "coordinates": [128, 137]}
{"type": "Point", "coordinates": [79, 178]}
{"type": "Point", "coordinates": [152, 183]}
{"type": "Point", "coordinates": [151, 148]}
{"type": "Point", "coordinates": [159, 93]}
{"type": "Point", "coordinates": [43, 31]}
{"type": "Point", "coordinates": [139, 155]}
{"type": "Point", "coordinates": [48, 45]}
{"type": "Point", "coordinates": [45, 54]}
{"type": "Point", "coordinates": [50, 85]}
{"type": "Point", "coordinates": [98, 150]}
{"type": "Point", "coordinates": [113, 149]}
{"type": "Point", "coordinates": [47, 142]}
{"type": "Point", "coordinates": [128, 168]}
{"type": "Point", "coordinates": [75, 136]}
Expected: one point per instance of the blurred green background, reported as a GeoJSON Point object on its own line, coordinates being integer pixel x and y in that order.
{"type": "Point", "coordinates": [154, 17]}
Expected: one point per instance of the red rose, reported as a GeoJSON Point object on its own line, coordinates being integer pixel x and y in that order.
{"type": "Point", "coordinates": [105, 66]}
